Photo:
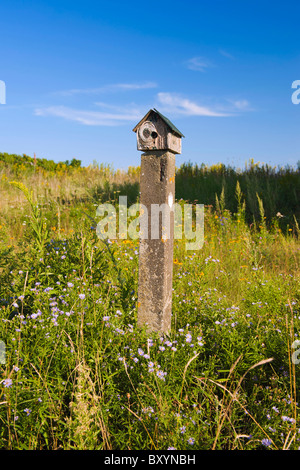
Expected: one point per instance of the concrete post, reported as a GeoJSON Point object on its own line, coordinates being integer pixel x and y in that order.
{"type": "Point", "coordinates": [157, 186]}
{"type": "Point", "coordinates": [160, 140]}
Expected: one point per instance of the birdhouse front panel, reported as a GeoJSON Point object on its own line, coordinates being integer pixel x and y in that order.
{"type": "Point", "coordinates": [154, 133]}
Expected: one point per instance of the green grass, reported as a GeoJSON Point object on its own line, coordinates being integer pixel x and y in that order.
{"type": "Point", "coordinates": [79, 374]}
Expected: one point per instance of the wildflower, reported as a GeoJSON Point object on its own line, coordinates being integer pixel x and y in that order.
{"type": "Point", "coordinates": [106, 318]}
{"type": "Point", "coordinates": [7, 383]}
{"type": "Point", "coordinates": [160, 374]}
{"type": "Point", "coordinates": [69, 284]}
{"type": "Point", "coordinates": [81, 296]}
{"type": "Point", "coordinates": [171, 448]}
{"type": "Point", "coordinates": [191, 441]}
{"type": "Point", "coordinates": [188, 337]}
{"type": "Point", "coordinates": [182, 430]}
{"type": "Point", "coordinates": [27, 411]}
{"type": "Point", "coordinates": [266, 442]}
{"type": "Point", "coordinates": [286, 418]}
{"type": "Point", "coordinates": [120, 331]}
{"type": "Point", "coordinates": [141, 352]}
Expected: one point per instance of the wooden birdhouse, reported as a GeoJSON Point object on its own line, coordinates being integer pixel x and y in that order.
{"type": "Point", "coordinates": [156, 132]}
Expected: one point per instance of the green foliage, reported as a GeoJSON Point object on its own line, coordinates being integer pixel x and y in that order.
{"type": "Point", "coordinates": [79, 374]}
{"type": "Point", "coordinates": [30, 164]}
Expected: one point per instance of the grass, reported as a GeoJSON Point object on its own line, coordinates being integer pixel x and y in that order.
{"type": "Point", "coordinates": [78, 374]}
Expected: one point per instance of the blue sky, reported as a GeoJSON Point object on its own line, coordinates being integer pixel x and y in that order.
{"type": "Point", "coordinates": [80, 75]}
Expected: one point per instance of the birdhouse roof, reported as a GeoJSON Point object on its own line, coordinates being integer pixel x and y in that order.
{"type": "Point", "coordinates": [166, 120]}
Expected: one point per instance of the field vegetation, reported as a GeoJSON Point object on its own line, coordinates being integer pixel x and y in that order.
{"type": "Point", "coordinates": [77, 373]}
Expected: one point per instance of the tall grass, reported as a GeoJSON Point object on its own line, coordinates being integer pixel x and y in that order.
{"type": "Point", "coordinates": [61, 185]}
{"type": "Point", "coordinates": [79, 374]}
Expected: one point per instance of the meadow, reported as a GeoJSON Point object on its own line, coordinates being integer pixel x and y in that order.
{"type": "Point", "coordinates": [77, 373]}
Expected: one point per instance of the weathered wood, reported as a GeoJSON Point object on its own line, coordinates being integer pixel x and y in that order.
{"type": "Point", "coordinates": [156, 132]}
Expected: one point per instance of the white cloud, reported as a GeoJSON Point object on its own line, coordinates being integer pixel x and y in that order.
{"type": "Point", "coordinates": [200, 64]}
{"type": "Point", "coordinates": [241, 104]}
{"type": "Point", "coordinates": [174, 103]}
{"type": "Point", "coordinates": [89, 118]}
{"type": "Point", "coordinates": [226, 54]}
{"type": "Point", "coordinates": [107, 114]}
{"type": "Point", "coordinates": [108, 88]}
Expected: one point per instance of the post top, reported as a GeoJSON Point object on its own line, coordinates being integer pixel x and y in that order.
{"type": "Point", "coordinates": [154, 111]}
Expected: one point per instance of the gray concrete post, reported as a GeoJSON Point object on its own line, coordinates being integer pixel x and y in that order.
{"type": "Point", "coordinates": [157, 186]}
{"type": "Point", "coordinates": [160, 140]}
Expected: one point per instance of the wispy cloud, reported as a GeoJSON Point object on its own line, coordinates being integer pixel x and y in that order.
{"type": "Point", "coordinates": [239, 105]}
{"type": "Point", "coordinates": [176, 104]}
{"type": "Point", "coordinates": [115, 87]}
{"type": "Point", "coordinates": [199, 64]}
{"type": "Point", "coordinates": [89, 118]}
{"type": "Point", "coordinates": [226, 54]}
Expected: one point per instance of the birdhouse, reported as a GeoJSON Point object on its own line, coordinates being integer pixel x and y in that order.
{"type": "Point", "coordinates": [156, 132]}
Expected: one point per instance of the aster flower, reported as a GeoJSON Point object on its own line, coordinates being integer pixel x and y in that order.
{"type": "Point", "coordinates": [160, 374]}
{"type": "Point", "coordinates": [266, 442]}
{"type": "Point", "coordinates": [7, 383]}
{"type": "Point", "coordinates": [188, 337]}
{"type": "Point", "coordinates": [191, 441]}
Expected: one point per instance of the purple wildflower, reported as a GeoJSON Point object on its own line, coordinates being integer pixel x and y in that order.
{"type": "Point", "coordinates": [266, 442]}
{"type": "Point", "coordinates": [7, 383]}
